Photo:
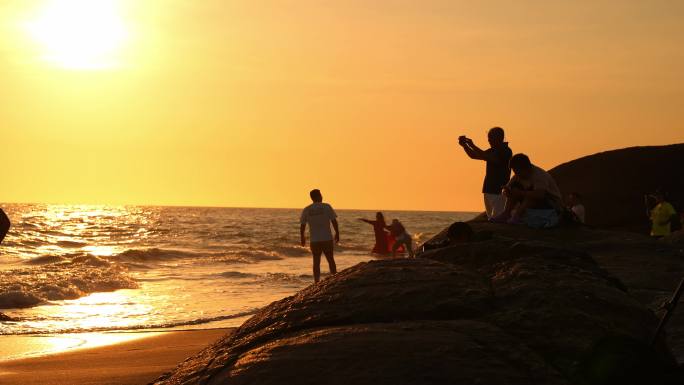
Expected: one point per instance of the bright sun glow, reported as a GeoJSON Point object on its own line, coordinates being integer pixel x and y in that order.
{"type": "Point", "coordinates": [80, 34]}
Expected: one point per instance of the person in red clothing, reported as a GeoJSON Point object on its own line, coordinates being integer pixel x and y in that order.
{"type": "Point", "coordinates": [381, 234]}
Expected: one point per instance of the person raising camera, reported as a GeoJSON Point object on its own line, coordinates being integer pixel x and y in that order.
{"type": "Point", "coordinates": [498, 171]}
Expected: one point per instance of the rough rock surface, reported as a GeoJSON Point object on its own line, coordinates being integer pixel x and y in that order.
{"type": "Point", "coordinates": [613, 183]}
{"type": "Point", "coordinates": [649, 270]}
{"type": "Point", "coordinates": [521, 308]}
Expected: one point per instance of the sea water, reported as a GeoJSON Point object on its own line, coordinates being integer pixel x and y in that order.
{"type": "Point", "coordinates": [69, 269]}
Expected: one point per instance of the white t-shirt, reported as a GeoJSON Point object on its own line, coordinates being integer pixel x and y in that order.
{"type": "Point", "coordinates": [579, 211]}
{"type": "Point", "coordinates": [318, 216]}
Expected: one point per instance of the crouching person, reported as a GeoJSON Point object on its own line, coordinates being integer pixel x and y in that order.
{"type": "Point", "coordinates": [532, 196]}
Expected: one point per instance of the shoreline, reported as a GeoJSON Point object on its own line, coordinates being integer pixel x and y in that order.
{"type": "Point", "coordinates": [140, 359]}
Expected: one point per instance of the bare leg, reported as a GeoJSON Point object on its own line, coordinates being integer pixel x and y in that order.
{"type": "Point", "coordinates": [317, 263]}
{"type": "Point", "coordinates": [329, 255]}
{"type": "Point", "coordinates": [395, 247]}
{"type": "Point", "coordinates": [409, 248]}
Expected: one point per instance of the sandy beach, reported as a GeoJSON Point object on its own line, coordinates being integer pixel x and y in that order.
{"type": "Point", "coordinates": [134, 362]}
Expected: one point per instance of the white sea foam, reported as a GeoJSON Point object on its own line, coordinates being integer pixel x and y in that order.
{"type": "Point", "coordinates": [52, 279]}
{"type": "Point", "coordinates": [163, 325]}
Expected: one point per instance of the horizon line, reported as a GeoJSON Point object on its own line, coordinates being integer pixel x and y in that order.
{"type": "Point", "coordinates": [229, 207]}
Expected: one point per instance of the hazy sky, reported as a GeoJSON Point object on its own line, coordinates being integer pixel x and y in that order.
{"type": "Point", "coordinates": [253, 103]}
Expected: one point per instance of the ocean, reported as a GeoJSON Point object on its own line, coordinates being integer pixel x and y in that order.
{"type": "Point", "coordinates": [67, 269]}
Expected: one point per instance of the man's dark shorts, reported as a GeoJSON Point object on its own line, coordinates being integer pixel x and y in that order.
{"type": "Point", "coordinates": [325, 247]}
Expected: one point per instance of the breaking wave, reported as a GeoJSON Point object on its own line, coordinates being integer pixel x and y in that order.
{"type": "Point", "coordinates": [236, 274]}
{"type": "Point", "coordinates": [60, 278]}
{"type": "Point", "coordinates": [192, 266]}
{"type": "Point", "coordinates": [150, 326]}
{"type": "Point", "coordinates": [161, 255]}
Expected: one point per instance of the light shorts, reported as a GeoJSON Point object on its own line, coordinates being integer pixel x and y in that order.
{"type": "Point", "coordinates": [494, 204]}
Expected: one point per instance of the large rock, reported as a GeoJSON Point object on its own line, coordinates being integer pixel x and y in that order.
{"type": "Point", "coordinates": [504, 311]}
{"type": "Point", "coordinates": [393, 353]}
{"type": "Point", "coordinates": [613, 183]}
{"type": "Point", "coordinates": [649, 270]}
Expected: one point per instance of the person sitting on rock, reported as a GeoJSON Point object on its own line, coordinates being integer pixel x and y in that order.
{"type": "Point", "coordinates": [402, 237]}
{"type": "Point", "coordinates": [576, 207]}
{"type": "Point", "coordinates": [458, 233]}
{"type": "Point", "coordinates": [661, 215]}
{"type": "Point", "coordinates": [532, 196]}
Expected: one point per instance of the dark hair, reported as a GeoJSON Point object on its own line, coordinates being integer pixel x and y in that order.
{"type": "Point", "coordinates": [520, 162]}
{"type": "Point", "coordinates": [497, 132]}
{"type": "Point", "coordinates": [379, 215]}
{"type": "Point", "coordinates": [460, 231]}
{"type": "Point", "coordinates": [315, 195]}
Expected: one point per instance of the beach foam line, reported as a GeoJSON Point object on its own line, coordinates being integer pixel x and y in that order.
{"type": "Point", "coordinates": [136, 328]}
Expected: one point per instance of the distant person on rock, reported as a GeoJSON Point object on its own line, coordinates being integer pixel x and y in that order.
{"type": "Point", "coordinates": [457, 233]}
{"type": "Point", "coordinates": [661, 215]}
{"type": "Point", "coordinates": [460, 232]}
{"type": "Point", "coordinates": [381, 234]}
{"type": "Point", "coordinates": [319, 216]}
{"type": "Point", "coordinates": [498, 170]}
{"type": "Point", "coordinates": [402, 238]}
{"type": "Point", "coordinates": [532, 196]}
{"type": "Point", "coordinates": [576, 206]}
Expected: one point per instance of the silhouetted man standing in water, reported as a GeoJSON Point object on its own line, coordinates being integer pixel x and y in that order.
{"type": "Point", "coordinates": [319, 216]}
{"type": "Point", "coordinates": [498, 170]}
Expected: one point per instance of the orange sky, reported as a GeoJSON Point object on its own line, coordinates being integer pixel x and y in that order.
{"type": "Point", "coordinates": [253, 103]}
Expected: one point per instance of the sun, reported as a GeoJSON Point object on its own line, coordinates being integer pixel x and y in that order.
{"type": "Point", "coordinates": [80, 34]}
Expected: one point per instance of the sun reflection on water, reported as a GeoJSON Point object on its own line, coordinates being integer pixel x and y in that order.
{"type": "Point", "coordinates": [13, 347]}
{"type": "Point", "coordinates": [151, 268]}
{"type": "Point", "coordinates": [121, 309]}
{"type": "Point", "coordinates": [101, 231]}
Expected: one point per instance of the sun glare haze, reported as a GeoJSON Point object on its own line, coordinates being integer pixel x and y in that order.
{"type": "Point", "coordinates": [80, 34]}
{"type": "Point", "coordinates": [251, 104]}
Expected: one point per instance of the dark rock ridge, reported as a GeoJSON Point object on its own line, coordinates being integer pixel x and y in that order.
{"type": "Point", "coordinates": [613, 183]}
{"type": "Point", "coordinates": [516, 309]}
{"type": "Point", "coordinates": [4, 317]}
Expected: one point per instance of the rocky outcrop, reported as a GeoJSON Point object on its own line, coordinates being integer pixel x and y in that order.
{"type": "Point", "coordinates": [4, 317]}
{"type": "Point", "coordinates": [510, 310]}
{"type": "Point", "coordinates": [649, 270]}
{"type": "Point", "coordinates": [613, 183]}
{"type": "Point", "coordinates": [437, 352]}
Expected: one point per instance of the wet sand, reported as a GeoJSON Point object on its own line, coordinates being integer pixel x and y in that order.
{"type": "Point", "coordinates": [134, 362]}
